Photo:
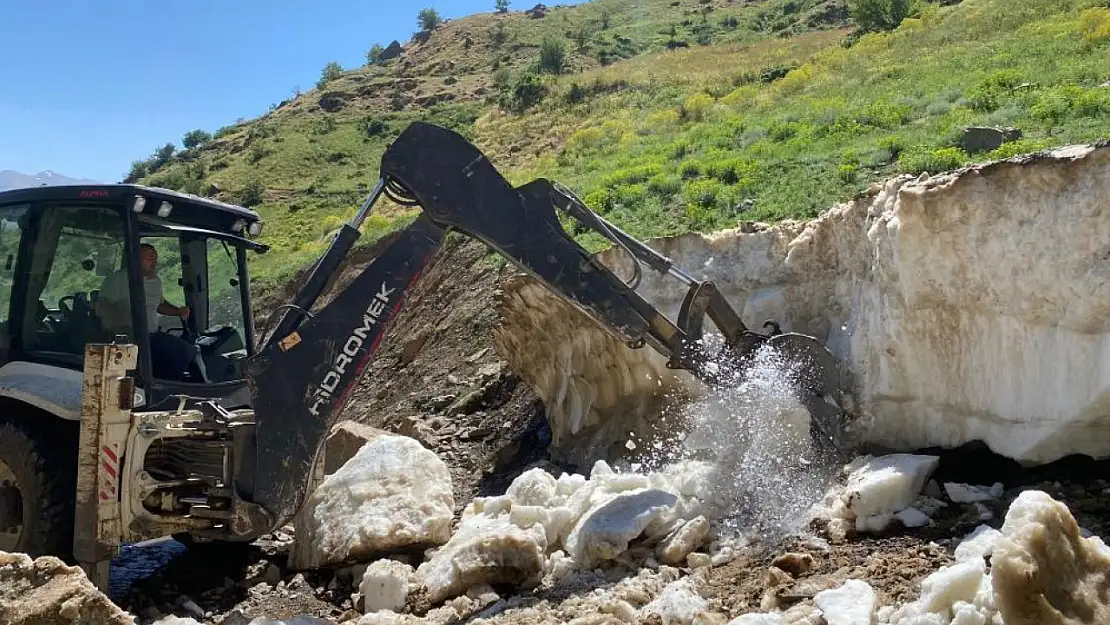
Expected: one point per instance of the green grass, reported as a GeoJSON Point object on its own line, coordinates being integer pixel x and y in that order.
{"type": "Point", "coordinates": [671, 141]}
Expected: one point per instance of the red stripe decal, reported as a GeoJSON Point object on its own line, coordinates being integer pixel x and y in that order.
{"type": "Point", "coordinates": [110, 469]}
{"type": "Point", "coordinates": [108, 452]}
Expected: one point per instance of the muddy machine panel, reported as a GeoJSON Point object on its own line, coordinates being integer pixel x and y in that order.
{"type": "Point", "coordinates": [106, 400]}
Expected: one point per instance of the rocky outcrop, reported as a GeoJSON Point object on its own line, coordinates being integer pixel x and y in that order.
{"type": "Point", "coordinates": [392, 51]}
{"type": "Point", "coordinates": [984, 139]}
{"type": "Point", "coordinates": [973, 305]}
{"type": "Point", "coordinates": [45, 591]}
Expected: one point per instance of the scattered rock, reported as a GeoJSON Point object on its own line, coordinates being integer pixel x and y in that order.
{"type": "Point", "coordinates": [46, 591]}
{"type": "Point", "coordinates": [346, 438]}
{"type": "Point", "coordinates": [537, 12]}
{"type": "Point", "coordinates": [796, 564]}
{"type": "Point", "coordinates": [411, 349]}
{"type": "Point", "coordinates": [984, 139]}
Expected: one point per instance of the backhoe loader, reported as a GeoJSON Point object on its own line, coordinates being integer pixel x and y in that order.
{"type": "Point", "coordinates": [99, 449]}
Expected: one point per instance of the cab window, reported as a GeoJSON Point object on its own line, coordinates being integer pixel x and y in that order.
{"type": "Point", "coordinates": [77, 257]}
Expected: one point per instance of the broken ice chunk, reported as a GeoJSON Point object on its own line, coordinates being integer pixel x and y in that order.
{"type": "Point", "coordinates": [683, 541]}
{"type": "Point", "coordinates": [887, 484]}
{"type": "Point", "coordinates": [958, 582]}
{"type": "Point", "coordinates": [873, 524]}
{"type": "Point", "coordinates": [489, 550]}
{"type": "Point", "coordinates": [393, 493]}
{"type": "Point", "coordinates": [603, 532]}
{"type": "Point", "coordinates": [967, 493]}
{"type": "Point", "coordinates": [678, 604]}
{"type": "Point", "coordinates": [850, 604]}
{"type": "Point", "coordinates": [385, 586]}
{"type": "Point", "coordinates": [534, 487]}
{"type": "Point", "coordinates": [912, 517]}
{"type": "Point", "coordinates": [980, 543]}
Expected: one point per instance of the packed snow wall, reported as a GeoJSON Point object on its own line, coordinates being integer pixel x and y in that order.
{"type": "Point", "coordinates": [972, 305]}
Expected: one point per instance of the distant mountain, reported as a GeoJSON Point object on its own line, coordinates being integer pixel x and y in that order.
{"type": "Point", "coordinates": [14, 180]}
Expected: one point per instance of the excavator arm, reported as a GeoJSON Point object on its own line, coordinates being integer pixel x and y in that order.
{"type": "Point", "coordinates": [310, 361]}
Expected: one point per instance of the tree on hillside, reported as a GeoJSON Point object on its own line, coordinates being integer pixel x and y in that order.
{"type": "Point", "coordinates": [330, 72]}
{"type": "Point", "coordinates": [195, 139]}
{"type": "Point", "coordinates": [878, 15]}
{"type": "Point", "coordinates": [502, 6]}
{"type": "Point", "coordinates": [374, 56]}
{"type": "Point", "coordinates": [428, 19]}
{"type": "Point", "coordinates": [553, 56]}
{"type": "Point", "coordinates": [163, 155]}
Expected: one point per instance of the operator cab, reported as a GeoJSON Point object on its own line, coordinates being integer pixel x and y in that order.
{"type": "Point", "coordinates": [70, 274]}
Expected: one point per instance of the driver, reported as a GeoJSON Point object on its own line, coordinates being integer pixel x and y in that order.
{"type": "Point", "coordinates": [170, 355]}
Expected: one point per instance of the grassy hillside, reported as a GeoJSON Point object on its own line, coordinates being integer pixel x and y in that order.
{"type": "Point", "coordinates": [773, 110]}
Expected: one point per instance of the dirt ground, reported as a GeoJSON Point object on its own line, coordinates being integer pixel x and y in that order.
{"type": "Point", "coordinates": [438, 379]}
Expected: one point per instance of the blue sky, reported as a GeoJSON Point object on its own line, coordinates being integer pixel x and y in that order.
{"type": "Point", "coordinates": [87, 86]}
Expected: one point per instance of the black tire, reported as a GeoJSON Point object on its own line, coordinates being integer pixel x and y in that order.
{"type": "Point", "coordinates": [41, 451]}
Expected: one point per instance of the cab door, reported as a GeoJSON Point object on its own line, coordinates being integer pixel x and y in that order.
{"type": "Point", "coordinates": [13, 217]}
{"type": "Point", "coordinates": [77, 285]}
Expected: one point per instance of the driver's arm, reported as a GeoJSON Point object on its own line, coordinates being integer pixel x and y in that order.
{"type": "Point", "coordinates": [170, 310]}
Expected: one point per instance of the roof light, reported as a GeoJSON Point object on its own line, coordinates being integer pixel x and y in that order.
{"type": "Point", "coordinates": [238, 225]}
{"type": "Point", "coordinates": [139, 205]}
{"type": "Point", "coordinates": [255, 228]}
{"type": "Point", "coordinates": [165, 209]}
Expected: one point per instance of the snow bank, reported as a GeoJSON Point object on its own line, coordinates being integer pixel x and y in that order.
{"type": "Point", "coordinates": [544, 525]}
{"type": "Point", "coordinates": [967, 306]}
{"type": "Point", "coordinates": [45, 590]}
{"type": "Point", "coordinates": [392, 494]}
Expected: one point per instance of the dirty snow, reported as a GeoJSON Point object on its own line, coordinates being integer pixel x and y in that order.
{"type": "Point", "coordinates": [1041, 572]}
{"type": "Point", "coordinates": [393, 493]}
{"type": "Point", "coordinates": [1042, 569]}
{"type": "Point", "coordinates": [46, 590]}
